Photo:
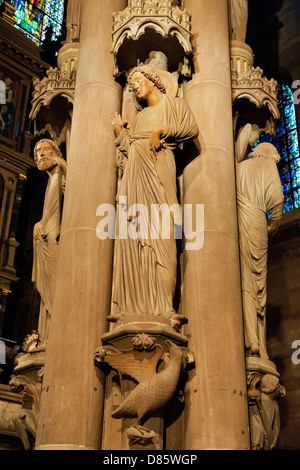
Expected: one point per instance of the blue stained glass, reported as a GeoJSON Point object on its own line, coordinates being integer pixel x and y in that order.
{"type": "Point", "coordinates": [297, 198]}
{"type": "Point", "coordinates": [295, 171]}
{"type": "Point", "coordinates": [53, 17]}
{"type": "Point", "coordinates": [285, 177]}
{"type": "Point", "coordinates": [280, 130]}
{"type": "Point", "coordinates": [293, 144]}
{"type": "Point", "coordinates": [296, 179]}
{"type": "Point", "coordinates": [282, 148]}
{"type": "Point", "coordinates": [290, 118]}
{"type": "Point", "coordinates": [286, 95]}
{"type": "Point", "coordinates": [35, 16]}
{"type": "Point", "coordinates": [287, 143]}
{"type": "Point", "coordinates": [295, 165]}
{"type": "Point", "coordinates": [288, 203]}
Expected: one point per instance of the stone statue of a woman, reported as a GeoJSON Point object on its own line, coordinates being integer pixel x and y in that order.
{"type": "Point", "coordinates": [146, 266]}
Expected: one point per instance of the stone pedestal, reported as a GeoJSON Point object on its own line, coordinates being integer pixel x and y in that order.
{"type": "Point", "coordinates": [216, 413]}
{"type": "Point", "coordinates": [72, 399]}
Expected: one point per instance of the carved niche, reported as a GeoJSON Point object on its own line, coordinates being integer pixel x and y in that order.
{"type": "Point", "coordinates": [145, 26]}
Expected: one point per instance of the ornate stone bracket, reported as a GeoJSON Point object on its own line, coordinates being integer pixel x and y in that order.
{"type": "Point", "coordinates": [27, 380]}
{"type": "Point", "coordinates": [264, 391]}
{"type": "Point", "coordinates": [148, 359]}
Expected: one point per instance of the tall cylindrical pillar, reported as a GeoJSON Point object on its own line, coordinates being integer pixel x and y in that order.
{"type": "Point", "coordinates": [72, 399]}
{"type": "Point", "coordinates": [216, 412]}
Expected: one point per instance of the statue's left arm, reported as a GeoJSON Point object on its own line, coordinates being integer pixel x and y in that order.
{"type": "Point", "coordinates": [181, 124]}
{"type": "Point", "coordinates": [61, 163]}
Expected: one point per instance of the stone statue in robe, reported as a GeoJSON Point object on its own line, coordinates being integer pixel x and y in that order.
{"type": "Point", "coordinates": [238, 17]}
{"type": "Point", "coordinates": [259, 192]}
{"type": "Point", "coordinates": [73, 20]}
{"type": "Point", "coordinates": [145, 265]}
{"type": "Point", "coordinates": [46, 232]}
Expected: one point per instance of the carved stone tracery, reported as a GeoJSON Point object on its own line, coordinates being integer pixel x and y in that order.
{"type": "Point", "coordinates": [162, 17]}
{"type": "Point", "coordinates": [54, 84]}
{"type": "Point", "coordinates": [255, 104]}
{"type": "Point", "coordinates": [249, 82]}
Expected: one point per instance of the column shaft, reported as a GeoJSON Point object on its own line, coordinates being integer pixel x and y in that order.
{"type": "Point", "coordinates": [216, 414]}
{"type": "Point", "coordinates": [72, 399]}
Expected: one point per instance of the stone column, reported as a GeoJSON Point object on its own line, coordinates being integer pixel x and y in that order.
{"type": "Point", "coordinates": [216, 413]}
{"type": "Point", "coordinates": [72, 399]}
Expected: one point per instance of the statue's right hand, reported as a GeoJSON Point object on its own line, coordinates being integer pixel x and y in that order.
{"type": "Point", "coordinates": [118, 123]}
{"type": "Point", "coordinates": [273, 227]}
{"type": "Point", "coordinates": [38, 231]}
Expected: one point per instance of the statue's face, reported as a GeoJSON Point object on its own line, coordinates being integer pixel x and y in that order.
{"type": "Point", "coordinates": [45, 157]}
{"type": "Point", "coordinates": [141, 86]}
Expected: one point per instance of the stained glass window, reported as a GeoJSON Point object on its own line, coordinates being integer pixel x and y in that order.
{"type": "Point", "coordinates": [35, 16]}
{"type": "Point", "coordinates": [287, 143]}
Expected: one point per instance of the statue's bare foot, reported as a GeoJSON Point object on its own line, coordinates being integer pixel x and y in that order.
{"type": "Point", "coordinates": [182, 319]}
{"type": "Point", "coordinates": [114, 317]}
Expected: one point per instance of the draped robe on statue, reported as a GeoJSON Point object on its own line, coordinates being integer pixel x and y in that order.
{"type": "Point", "coordinates": [45, 251]}
{"type": "Point", "coordinates": [259, 191]}
{"type": "Point", "coordinates": [146, 267]}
